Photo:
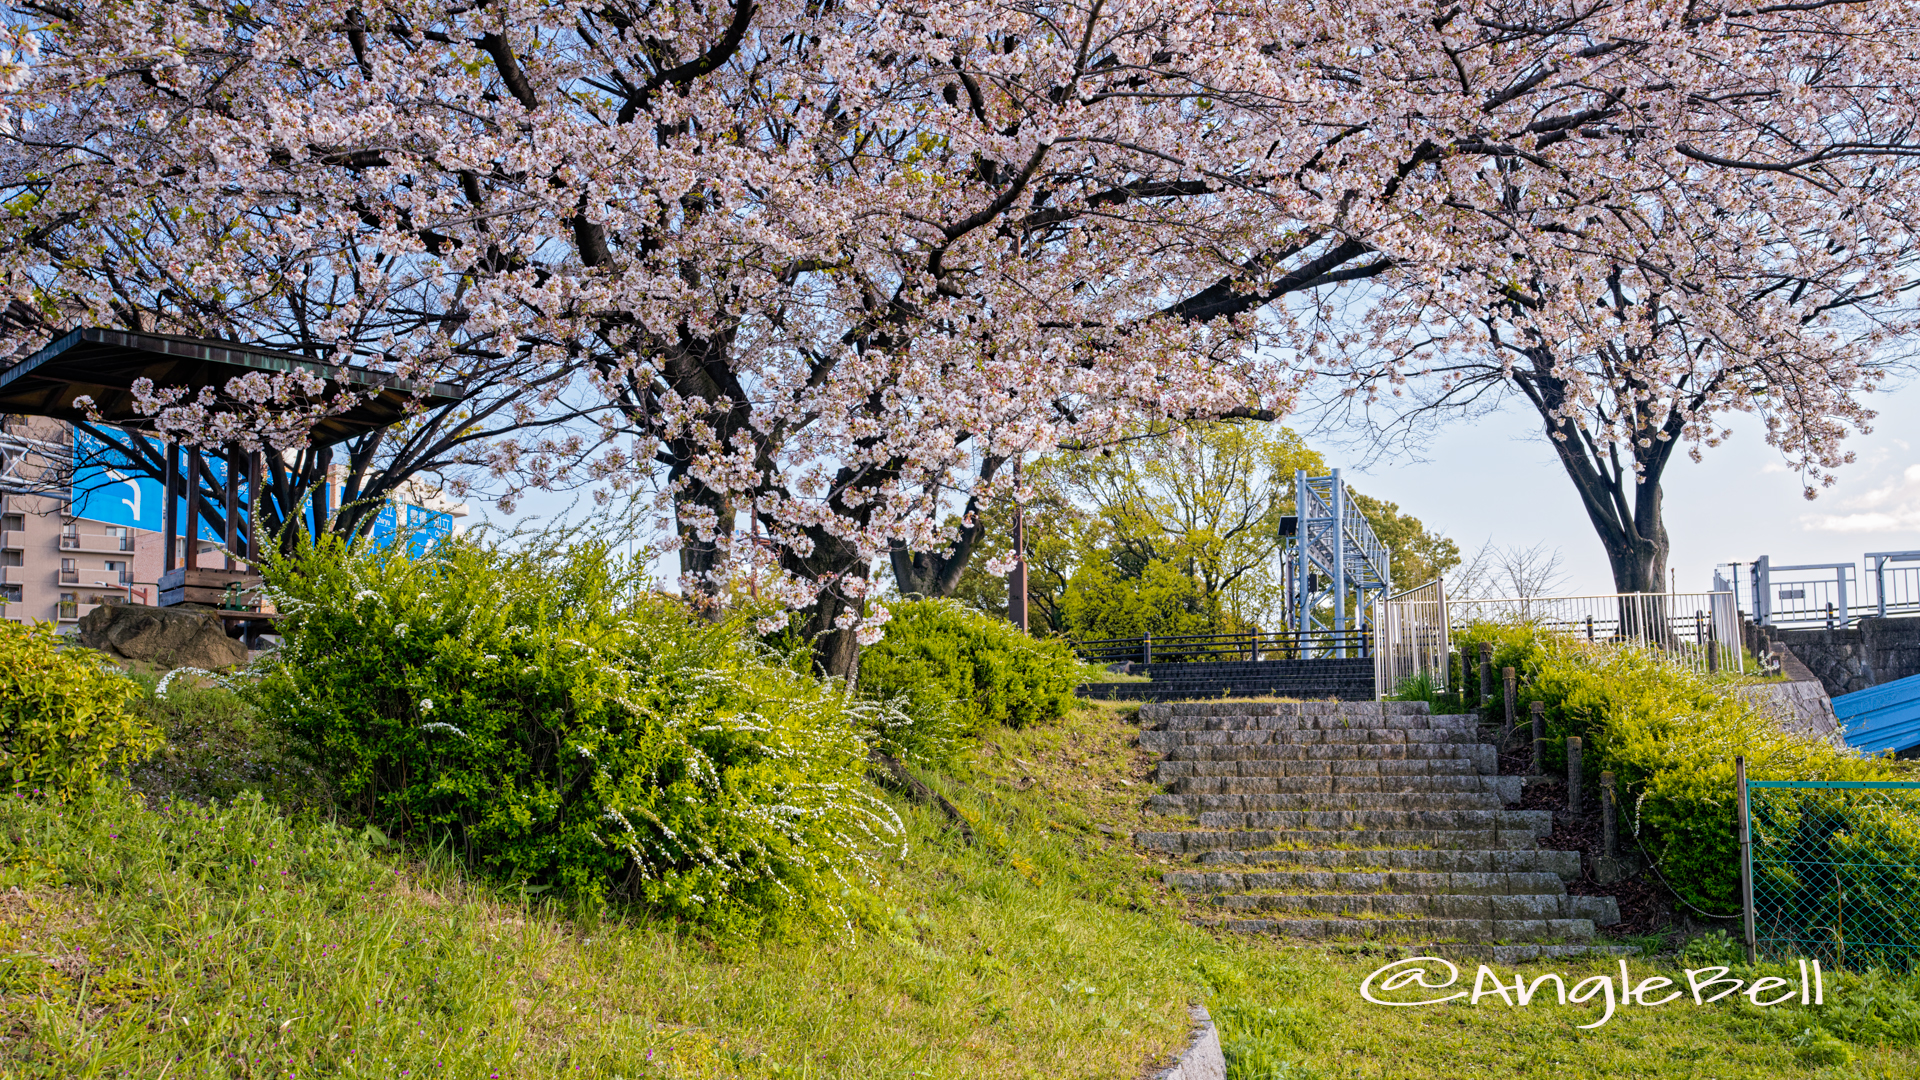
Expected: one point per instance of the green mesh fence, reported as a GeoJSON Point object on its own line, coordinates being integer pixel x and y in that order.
{"type": "Point", "coordinates": [1836, 871]}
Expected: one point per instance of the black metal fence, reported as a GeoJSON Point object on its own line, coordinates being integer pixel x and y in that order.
{"type": "Point", "coordinates": [1250, 645]}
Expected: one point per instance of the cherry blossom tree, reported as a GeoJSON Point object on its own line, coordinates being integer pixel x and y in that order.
{"type": "Point", "coordinates": [833, 264]}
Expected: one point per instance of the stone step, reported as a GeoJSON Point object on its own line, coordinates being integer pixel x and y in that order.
{"type": "Point", "coordinates": [1316, 722]}
{"type": "Point", "coordinates": [1421, 906]}
{"type": "Point", "coordinates": [1437, 741]}
{"type": "Point", "coordinates": [1398, 800]}
{"type": "Point", "coordinates": [1505, 955]}
{"type": "Point", "coordinates": [1411, 882]}
{"type": "Point", "coordinates": [1168, 771]}
{"type": "Point", "coordinates": [1527, 860]}
{"type": "Point", "coordinates": [1484, 757]}
{"type": "Point", "coordinates": [1450, 931]}
{"type": "Point", "coordinates": [1540, 822]}
{"type": "Point", "coordinates": [1504, 788]}
{"type": "Point", "coordinates": [1161, 711]}
{"type": "Point", "coordinates": [1196, 841]}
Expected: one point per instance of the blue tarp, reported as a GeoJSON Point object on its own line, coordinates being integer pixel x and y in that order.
{"type": "Point", "coordinates": [1885, 717]}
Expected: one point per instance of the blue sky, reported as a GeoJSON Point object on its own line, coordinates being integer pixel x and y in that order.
{"type": "Point", "coordinates": [1498, 477]}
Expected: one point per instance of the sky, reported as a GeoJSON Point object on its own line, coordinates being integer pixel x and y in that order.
{"type": "Point", "coordinates": [1497, 478]}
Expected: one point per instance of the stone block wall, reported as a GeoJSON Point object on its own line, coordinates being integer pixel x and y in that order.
{"type": "Point", "coordinates": [1873, 652]}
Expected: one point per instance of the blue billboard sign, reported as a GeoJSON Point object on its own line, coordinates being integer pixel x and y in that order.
{"type": "Point", "coordinates": [109, 488]}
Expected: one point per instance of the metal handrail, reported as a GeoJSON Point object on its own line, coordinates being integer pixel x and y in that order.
{"type": "Point", "coordinates": [1240, 645]}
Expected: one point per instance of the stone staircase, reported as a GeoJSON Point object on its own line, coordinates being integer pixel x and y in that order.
{"type": "Point", "coordinates": [1361, 822]}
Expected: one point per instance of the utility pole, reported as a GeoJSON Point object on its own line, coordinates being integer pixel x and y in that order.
{"type": "Point", "coordinates": [1017, 577]}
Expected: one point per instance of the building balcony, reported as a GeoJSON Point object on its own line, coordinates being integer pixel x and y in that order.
{"type": "Point", "coordinates": [106, 545]}
{"type": "Point", "coordinates": [15, 575]}
{"type": "Point", "coordinates": [13, 540]}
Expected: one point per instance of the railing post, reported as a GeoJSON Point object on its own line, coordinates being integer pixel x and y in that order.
{"type": "Point", "coordinates": [1146, 648]}
{"type": "Point", "coordinates": [1713, 645]}
{"type": "Point", "coordinates": [1486, 674]}
{"type": "Point", "coordinates": [1539, 738]}
{"type": "Point", "coordinates": [1508, 719]}
{"type": "Point", "coordinates": [1609, 827]}
{"type": "Point", "coordinates": [1746, 858]}
{"type": "Point", "coordinates": [1573, 774]}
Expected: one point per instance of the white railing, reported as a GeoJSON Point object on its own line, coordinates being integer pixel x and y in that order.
{"type": "Point", "coordinates": [1410, 638]}
{"type": "Point", "coordinates": [1896, 587]}
{"type": "Point", "coordinates": [1701, 630]}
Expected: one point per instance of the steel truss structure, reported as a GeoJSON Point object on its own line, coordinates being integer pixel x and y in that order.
{"type": "Point", "coordinates": [1336, 567]}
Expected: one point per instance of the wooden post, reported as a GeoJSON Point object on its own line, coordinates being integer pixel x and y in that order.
{"type": "Point", "coordinates": [192, 531]}
{"type": "Point", "coordinates": [321, 496]}
{"type": "Point", "coordinates": [1486, 674]}
{"type": "Point", "coordinates": [231, 510]}
{"type": "Point", "coordinates": [1746, 859]}
{"type": "Point", "coordinates": [170, 513]}
{"type": "Point", "coordinates": [1509, 715]}
{"type": "Point", "coordinates": [1609, 827]}
{"type": "Point", "coordinates": [1573, 774]}
{"type": "Point", "coordinates": [1539, 738]}
{"type": "Point", "coordinates": [255, 500]}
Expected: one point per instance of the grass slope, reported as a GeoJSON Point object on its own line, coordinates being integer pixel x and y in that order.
{"type": "Point", "coordinates": [232, 942]}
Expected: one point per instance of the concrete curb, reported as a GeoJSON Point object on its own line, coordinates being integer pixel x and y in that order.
{"type": "Point", "coordinates": [1202, 1059]}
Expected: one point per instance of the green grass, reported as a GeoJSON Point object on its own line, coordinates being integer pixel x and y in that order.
{"type": "Point", "coordinates": [231, 941]}
{"type": "Point", "coordinates": [1302, 1016]}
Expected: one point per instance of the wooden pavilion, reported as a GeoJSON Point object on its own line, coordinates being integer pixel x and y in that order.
{"type": "Point", "coordinates": [103, 365]}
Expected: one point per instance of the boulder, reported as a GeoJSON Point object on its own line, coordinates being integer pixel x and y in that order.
{"type": "Point", "coordinates": [164, 637]}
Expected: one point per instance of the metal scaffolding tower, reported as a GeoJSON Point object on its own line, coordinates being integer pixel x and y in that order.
{"type": "Point", "coordinates": [1333, 560]}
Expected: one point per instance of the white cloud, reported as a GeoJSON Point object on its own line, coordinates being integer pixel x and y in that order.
{"type": "Point", "coordinates": [1891, 507]}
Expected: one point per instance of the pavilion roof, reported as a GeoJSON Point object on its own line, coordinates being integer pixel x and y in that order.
{"type": "Point", "coordinates": [103, 364]}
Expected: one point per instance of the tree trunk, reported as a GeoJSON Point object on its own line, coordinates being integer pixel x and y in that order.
{"type": "Point", "coordinates": [934, 574]}
{"type": "Point", "coordinates": [700, 558]}
{"type": "Point", "coordinates": [836, 650]}
{"type": "Point", "coordinates": [1622, 498]}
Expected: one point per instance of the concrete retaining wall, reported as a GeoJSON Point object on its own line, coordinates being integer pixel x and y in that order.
{"type": "Point", "coordinates": [1873, 652]}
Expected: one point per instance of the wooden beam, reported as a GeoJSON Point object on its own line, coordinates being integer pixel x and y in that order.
{"type": "Point", "coordinates": [255, 500]}
{"type": "Point", "coordinates": [232, 507]}
{"type": "Point", "coordinates": [192, 533]}
{"type": "Point", "coordinates": [170, 485]}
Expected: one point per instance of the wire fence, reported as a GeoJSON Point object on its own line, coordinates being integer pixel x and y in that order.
{"type": "Point", "coordinates": [1835, 871]}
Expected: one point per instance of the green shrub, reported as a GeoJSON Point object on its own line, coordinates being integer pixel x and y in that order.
{"type": "Point", "coordinates": [527, 709]}
{"type": "Point", "coordinates": [63, 713]}
{"type": "Point", "coordinates": [1670, 735]}
{"type": "Point", "coordinates": [961, 671]}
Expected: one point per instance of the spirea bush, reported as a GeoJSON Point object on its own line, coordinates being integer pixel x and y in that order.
{"type": "Point", "coordinates": [562, 729]}
{"type": "Point", "coordinates": [960, 671]}
{"type": "Point", "coordinates": [1669, 734]}
{"type": "Point", "coordinates": [64, 719]}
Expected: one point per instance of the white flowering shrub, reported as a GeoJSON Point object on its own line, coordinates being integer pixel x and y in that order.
{"type": "Point", "coordinates": [562, 728]}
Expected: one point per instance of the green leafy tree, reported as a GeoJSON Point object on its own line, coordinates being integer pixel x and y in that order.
{"type": "Point", "coordinates": [1174, 530]}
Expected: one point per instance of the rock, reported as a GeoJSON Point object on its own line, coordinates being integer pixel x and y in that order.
{"type": "Point", "coordinates": [164, 637]}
